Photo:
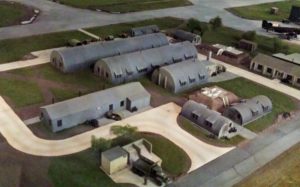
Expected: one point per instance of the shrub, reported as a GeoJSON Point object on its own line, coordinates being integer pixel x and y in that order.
{"type": "Point", "coordinates": [216, 22]}
{"type": "Point", "coordinates": [250, 35]}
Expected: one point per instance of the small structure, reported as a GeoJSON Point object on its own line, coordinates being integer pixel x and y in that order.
{"type": "Point", "coordinates": [247, 45]}
{"type": "Point", "coordinates": [249, 110]}
{"type": "Point", "coordinates": [207, 119]}
{"type": "Point", "coordinates": [114, 160]}
{"type": "Point", "coordinates": [274, 10]}
{"type": "Point", "coordinates": [186, 36]}
{"type": "Point", "coordinates": [224, 53]}
{"type": "Point", "coordinates": [69, 113]}
{"type": "Point", "coordinates": [214, 97]}
{"type": "Point", "coordinates": [139, 31]}
{"type": "Point", "coordinates": [84, 57]}
{"type": "Point", "coordinates": [280, 66]}
{"type": "Point", "coordinates": [181, 76]}
{"type": "Point", "coordinates": [295, 14]}
{"type": "Point", "coordinates": [128, 67]}
{"type": "Point", "coordinates": [142, 148]}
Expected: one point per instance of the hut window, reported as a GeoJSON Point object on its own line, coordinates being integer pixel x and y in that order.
{"type": "Point", "coordinates": [201, 77]}
{"type": "Point", "coordinates": [195, 116]}
{"type": "Point", "coordinates": [175, 60]}
{"type": "Point", "coordinates": [298, 81]}
{"type": "Point", "coordinates": [106, 74]}
{"type": "Point", "coordinates": [265, 108]}
{"type": "Point", "coordinates": [111, 107]}
{"type": "Point", "coordinates": [129, 72]}
{"type": "Point", "coordinates": [207, 123]}
{"type": "Point", "coordinates": [59, 123]}
{"type": "Point", "coordinates": [259, 67]}
{"type": "Point", "coordinates": [182, 83]}
{"type": "Point", "coordinates": [122, 103]}
{"type": "Point", "coordinates": [192, 80]}
{"type": "Point", "coordinates": [188, 57]}
{"type": "Point", "coordinates": [269, 70]}
{"type": "Point", "coordinates": [118, 75]}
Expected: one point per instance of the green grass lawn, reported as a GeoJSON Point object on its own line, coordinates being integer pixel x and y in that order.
{"type": "Point", "coordinates": [282, 171]}
{"type": "Point", "coordinates": [21, 93]}
{"type": "Point", "coordinates": [203, 135]}
{"type": "Point", "coordinates": [262, 11]}
{"type": "Point", "coordinates": [123, 6]}
{"type": "Point", "coordinates": [82, 169]}
{"type": "Point", "coordinates": [247, 89]}
{"type": "Point", "coordinates": [62, 94]}
{"type": "Point", "coordinates": [12, 13]}
{"type": "Point", "coordinates": [15, 49]}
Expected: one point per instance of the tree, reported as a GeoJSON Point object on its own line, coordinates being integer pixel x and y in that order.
{"type": "Point", "coordinates": [100, 144]}
{"type": "Point", "coordinates": [125, 131]}
{"type": "Point", "coordinates": [216, 22]}
{"type": "Point", "coordinates": [279, 46]}
{"type": "Point", "coordinates": [195, 25]}
{"type": "Point", "coordinates": [249, 35]}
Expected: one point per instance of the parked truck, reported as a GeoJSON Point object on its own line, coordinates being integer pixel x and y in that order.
{"type": "Point", "coordinates": [149, 169]}
{"type": "Point", "coordinates": [285, 32]}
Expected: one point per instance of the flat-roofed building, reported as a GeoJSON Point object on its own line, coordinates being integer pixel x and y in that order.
{"type": "Point", "coordinates": [278, 66]}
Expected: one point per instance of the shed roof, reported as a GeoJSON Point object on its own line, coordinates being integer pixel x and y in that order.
{"type": "Point", "coordinates": [138, 31]}
{"type": "Point", "coordinates": [95, 51]}
{"type": "Point", "coordinates": [184, 35]}
{"type": "Point", "coordinates": [292, 58]}
{"type": "Point", "coordinates": [278, 64]}
{"type": "Point", "coordinates": [114, 153]}
{"type": "Point", "coordinates": [95, 100]}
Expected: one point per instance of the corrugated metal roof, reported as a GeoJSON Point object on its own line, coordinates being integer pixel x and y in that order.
{"type": "Point", "coordinates": [138, 31]}
{"type": "Point", "coordinates": [148, 58]}
{"type": "Point", "coordinates": [184, 35]}
{"type": "Point", "coordinates": [95, 100]}
{"type": "Point", "coordinates": [83, 56]}
{"type": "Point", "coordinates": [184, 70]}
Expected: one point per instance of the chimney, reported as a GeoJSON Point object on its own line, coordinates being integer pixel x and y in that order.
{"type": "Point", "coordinates": [209, 56]}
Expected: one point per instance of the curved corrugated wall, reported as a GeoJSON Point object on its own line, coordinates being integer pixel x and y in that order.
{"type": "Point", "coordinates": [82, 57]}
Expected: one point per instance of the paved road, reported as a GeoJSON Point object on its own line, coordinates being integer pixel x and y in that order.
{"type": "Point", "coordinates": [55, 17]}
{"type": "Point", "coordinates": [239, 163]}
{"type": "Point", "coordinates": [273, 84]}
{"type": "Point", "coordinates": [161, 120]}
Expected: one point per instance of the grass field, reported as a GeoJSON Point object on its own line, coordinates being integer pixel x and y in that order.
{"type": "Point", "coordinates": [13, 13]}
{"type": "Point", "coordinates": [21, 93]}
{"type": "Point", "coordinates": [15, 49]}
{"type": "Point", "coordinates": [204, 135]}
{"type": "Point", "coordinates": [282, 171]}
{"type": "Point", "coordinates": [262, 11]}
{"type": "Point", "coordinates": [82, 169]}
{"type": "Point", "coordinates": [123, 6]}
{"type": "Point", "coordinates": [246, 89]}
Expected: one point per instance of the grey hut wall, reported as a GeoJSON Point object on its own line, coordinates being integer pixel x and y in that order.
{"type": "Point", "coordinates": [208, 119]}
{"type": "Point", "coordinates": [83, 57]}
{"type": "Point", "coordinates": [75, 111]}
{"type": "Point", "coordinates": [139, 31]}
{"type": "Point", "coordinates": [186, 36]}
{"type": "Point", "coordinates": [249, 110]}
{"type": "Point", "coordinates": [181, 76]}
{"type": "Point", "coordinates": [131, 66]}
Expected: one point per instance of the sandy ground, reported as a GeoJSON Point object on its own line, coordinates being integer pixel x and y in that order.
{"type": "Point", "coordinates": [160, 120]}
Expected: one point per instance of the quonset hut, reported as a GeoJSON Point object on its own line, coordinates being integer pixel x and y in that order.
{"type": "Point", "coordinates": [84, 57]}
{"type": "Point", "coordinates": [69, 113]}
{"type": "Point", "coordinates": [123, 68]}
{"type": "Point", "coordinates": [208, 119]}
{"type": "Point", "coordinates": [181, 76]}
{"type": "Point", "coordinates": [186, 36]}
{"type": "Point", "coordinates": [249, 110]}
{"type": "Point", "coordinates": [149, 29]}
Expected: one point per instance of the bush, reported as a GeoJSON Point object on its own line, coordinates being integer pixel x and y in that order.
{"type": "Point", "coordinates": [216, 22]}
{"type": "Point", "coordinates": [126, 131]}
{"type": "Point", "coordinates": [100, 144]}
{"type": "Point", "coordinates": [250, 35]}
{"type": "Point", "coordinates": [194, 26]}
